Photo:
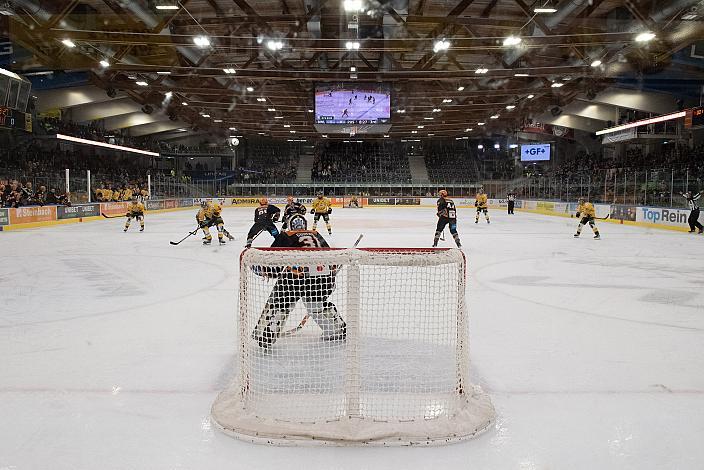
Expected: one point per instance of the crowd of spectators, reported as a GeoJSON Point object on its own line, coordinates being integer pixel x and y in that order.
{"type": "Point", "coordinates": [268, 162]}
{"type": "Point", "coordinates": [14, 193]}
{"type": "Point", "coordinates": [450, 162]}
{"type": "Point", "coordinates": [360, 162]}
{"type": "Point", "coordinates": [92, 131]}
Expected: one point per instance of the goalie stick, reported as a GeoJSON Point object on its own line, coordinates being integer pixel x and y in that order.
{"type": "Point", "coordinates": [303, 322]}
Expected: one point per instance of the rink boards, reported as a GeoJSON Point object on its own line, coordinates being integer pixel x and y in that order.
{"type": "Point", "coordinates": [39, 216]}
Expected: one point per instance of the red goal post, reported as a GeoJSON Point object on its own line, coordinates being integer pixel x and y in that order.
{"type": "Point", "coordinates": [395, 370]}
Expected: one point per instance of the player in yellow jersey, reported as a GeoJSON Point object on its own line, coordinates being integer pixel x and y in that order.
{"type": "Point", "coordinates": [586, 211]}
{"type": "Point", "coordinates": [127, 194]}
{"type": "Point", "coordinates": [135, 210]}
{"type": "Point", "coordinates": [208, 216]}
{"type": "Point", "coordinates": [322, 208]}
{"type": "Point", "coordinates": [482, 204]}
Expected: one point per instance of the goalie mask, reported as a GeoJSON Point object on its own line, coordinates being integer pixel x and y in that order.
{"type": "Point", "coordinates": [298, 222]}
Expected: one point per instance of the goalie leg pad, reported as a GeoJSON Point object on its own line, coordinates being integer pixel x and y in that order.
{"type": "Point", "coordinates": [269, 326]}
{"type": "Point", "coordinates": [328, 319]}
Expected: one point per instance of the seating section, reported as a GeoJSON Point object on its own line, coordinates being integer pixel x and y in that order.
{"type": "Point", "coordinates": [355, 162]}
{"type": "Point", "coordinates": [269, 162]}
{"type": "Point", "coordinates": [450, 163]}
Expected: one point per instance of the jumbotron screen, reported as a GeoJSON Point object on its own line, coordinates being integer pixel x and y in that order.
{"type": "Point", "coordinates": [535, 152]}
{"type": "Point", "coordinates": [352, 103]}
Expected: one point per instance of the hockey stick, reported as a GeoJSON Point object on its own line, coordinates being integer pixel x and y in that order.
{"type": "Point", "coordinates": [189, 234]}
{"type": "Point", "coordinates": [603, 218]}
{"type": "Point", "coordinates": [111, 216]}
{"type": "Point", "coordinates": [300, 326]}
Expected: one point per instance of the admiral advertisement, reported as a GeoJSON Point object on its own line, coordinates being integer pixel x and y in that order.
{"type": "Point", "coordinates": [76, 212]}
{"type": "Point", "coordinates": [4, 217]}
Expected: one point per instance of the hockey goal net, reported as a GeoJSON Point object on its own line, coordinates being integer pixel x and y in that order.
{"type": "Point", "coordinates": [353, 202]}
{"type": "Point", "coordinates": [382, 357]}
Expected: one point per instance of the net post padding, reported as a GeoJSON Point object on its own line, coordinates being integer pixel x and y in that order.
{"type": "Point", "coordinates": [401, 376]}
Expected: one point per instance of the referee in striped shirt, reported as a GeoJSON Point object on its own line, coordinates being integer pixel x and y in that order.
{"type": "Point", "coordinates": [694, 207]}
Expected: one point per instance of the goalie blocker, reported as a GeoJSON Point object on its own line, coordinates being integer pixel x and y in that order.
{"type": "Point", "coordinates": [398, 376]}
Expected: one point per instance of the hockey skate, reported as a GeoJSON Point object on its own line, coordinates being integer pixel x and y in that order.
{"type": "Point", "coordinates": [207, 241]}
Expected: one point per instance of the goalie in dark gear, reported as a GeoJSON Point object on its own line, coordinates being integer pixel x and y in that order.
{"type": "Point", "coordinates": [310, 284]}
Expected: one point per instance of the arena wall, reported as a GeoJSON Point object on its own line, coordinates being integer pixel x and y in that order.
{"type": "Point", "coordinates": [41, 216]}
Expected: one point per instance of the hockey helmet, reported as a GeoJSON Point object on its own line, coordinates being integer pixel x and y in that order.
{"type": "Point", "coordinates": [204, 204]}
{"type": "Point", "coordinates": [443, 193]}
{"type": "Point", "coordinates": [320, 195]}
{"type": "Point", "coordinates": [298, 222]}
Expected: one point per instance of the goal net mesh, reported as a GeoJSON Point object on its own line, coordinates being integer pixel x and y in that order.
{"type": "Point", "coordinates": [383, 357]}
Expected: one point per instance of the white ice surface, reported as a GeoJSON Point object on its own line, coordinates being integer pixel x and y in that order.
{"type": "Point", "coordinates": [113, 346]}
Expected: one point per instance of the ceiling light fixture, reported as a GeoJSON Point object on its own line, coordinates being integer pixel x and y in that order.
{"type": "Point", "coordinates": [596, 63]}
{"type": "Point", "coordinates": [530, 97]}
{"type": "Point", "coordinates": [68, 43]}
{"type": "Point", "coordinates": [481, 71]}
{"type": "Point", "coordinates": [510, 107]}
{"type": "Point", "coordinates": [521, 75]}
{"type": "Point", "coordinates": [460, 88]}
{"type": "Point", "coordinates": [353, 5]}
{"type": "Point", "coordinates": [545, 10]}
{"type": "Point", "coordinates": [229, 71]}
{"type": "Point", "coordinates": [441, 45]}
{"type": "Point", "coordinates": [401, 111]}
{"type": "Point", "coordinates": [274, 45]}
{"type": "Point", "coordinates": [557, 85]}
{"type": "Point", "coordinates": [201, 41]}
{"type": "Point", "coordinates": [261, 100]}
{"type": "Point", "coordinates": [163, 72]}
{"type": "Point", "coordinates": [480, 123]}
{"type": "Point", "coordinates": [278, 117]}
{"type": "Point", "coordinates": [184, 104]}
{"type": "Point", "coordinates": [428, 118]}
{"type": "Point", "coordinates": [104, 63]}
{"type": "Point", "coordinates": [495, 116]}
{"type": "Point", "coordinates": [421, 127]}
{"type": "Point", "coordinates": [206, 115]}
{"type": "Point", "coordinates": [436, 110]}
{"type": "Point", "coordinates": [169, 94]}
{"type": "Point", "coordinates": [271, 109]}
{"type": "Point", "coordinates": [287, 125]}
{"type": "Point", "coordinates": [447, 100]}
{"type": "Point", "coordinates": [217, 120]}
{"type": "Point", "coordinates": [469, 129]}
{"type": "Point", "coordinates": [645, 37]}
{"type": "Point", "coordinates": [352, 46]}
{"type": "Point", "coordinates": [512, 41]}
{"type": "Point", "coordinates": [141, 83]}
{"type": "Point", "coordinates": [250, 89]}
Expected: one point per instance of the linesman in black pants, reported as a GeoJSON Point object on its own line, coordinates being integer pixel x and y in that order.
{"type": "Point", "coordinates": [694, 208]}
{"type": "Point", "coordinates": [511, 201]}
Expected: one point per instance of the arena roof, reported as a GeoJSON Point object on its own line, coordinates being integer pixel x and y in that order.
{"type": "Point", "coordinates": [255, 56]}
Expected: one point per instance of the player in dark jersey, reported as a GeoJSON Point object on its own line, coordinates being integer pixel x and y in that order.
{"type": "Point", "coordinates": [292, 208]}
{"type": "Point", "coordinates": [447, 215]}
{"type": "Point", "coordinates": [264, 217]}
{"type": "Point", "coordinates": [311, 284]}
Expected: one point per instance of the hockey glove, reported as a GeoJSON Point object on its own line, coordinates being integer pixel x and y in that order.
{"type": "Point", "coordinates": [330, 211]}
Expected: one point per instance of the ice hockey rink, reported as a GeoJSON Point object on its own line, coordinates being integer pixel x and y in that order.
{"type": "Point", "coordinates": [115, 345]}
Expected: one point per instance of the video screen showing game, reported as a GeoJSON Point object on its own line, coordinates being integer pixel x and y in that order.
{"type": "Point", "coordinates": [352, 103]}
